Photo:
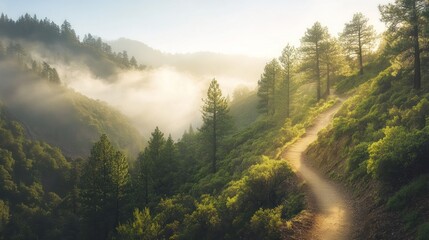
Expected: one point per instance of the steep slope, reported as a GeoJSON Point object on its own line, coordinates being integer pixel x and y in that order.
{"type": "Point", "coordinates": [378, 147]}
{"type": "Point", "coordinates": [57, 115]}
{"type": "Point", "coordinates": [333, 215]}
{"type": "Point", "coordinates": [36, 182]}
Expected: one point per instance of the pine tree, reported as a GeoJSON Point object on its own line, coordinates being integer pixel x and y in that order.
{"type": "Point", "coordinates": [150, 167]}
{"type": "Point", "coordinates": [311, 49]}
{"type": "Point", "coordinates": [120, 179]}
{"type": "Point", "coordinates": [104, 176]}
{"type": "Point", "coordinates": [267, 87]}
{"type": "Point", "coordinates": [358, 37]}
{"type": "Point", "coordinates": [406, 23]}
{"type": "Point", "coordinates": [288, 59]}
{"type": "Point", "coordinates": [332, 59]}
{"type": "Point", "coordinates": [216, 121]}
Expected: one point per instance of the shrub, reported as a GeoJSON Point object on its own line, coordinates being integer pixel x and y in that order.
{"type": "Point", "coordinates": [399, 156]}
{"type": "Point", "coordinates": [357, 156]}
{"type": "Point", "coordinates": [266, 223]}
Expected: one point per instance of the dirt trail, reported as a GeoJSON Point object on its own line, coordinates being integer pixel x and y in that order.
{"type": "Point", "coordinates": [332, 212]}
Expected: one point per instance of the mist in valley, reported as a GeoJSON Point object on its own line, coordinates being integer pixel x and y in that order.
{"type": "Point", "coordinates": [163, 97]}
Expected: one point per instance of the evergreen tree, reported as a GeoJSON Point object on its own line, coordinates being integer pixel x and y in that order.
{"type": "Point", "coordinates": [150, 167]}
{"type": "Point", "coordinates": [311, 49]}
{"type": "Point", "coordinates": [406, 25]}
{"type": "Point", "coordinates": [332, 60]}
{"type": "Point", "coordinates": [104, 176]}
{"type": "Point", "coordinates": [288, 59]}
{"type": "Point", "coordinates": [216, 121]}
{"type": "Point", "coordinates": [120, 179]}
{"type": "Point", "coordinates": [168, 168]}
{"type": "Point", "coordinates": [358, 37]}
{"type": "Point", "coordinates": [267, 90]}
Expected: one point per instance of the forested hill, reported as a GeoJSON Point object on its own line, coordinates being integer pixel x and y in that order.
{"type": "Point", "coordinates": [60, 43]}
{"type": "Point", "coordinates": [221, 181]}
{"type": "Point", "coordinates": [34, 95]}
{"type": "Point", "coordinates": [378, 144]}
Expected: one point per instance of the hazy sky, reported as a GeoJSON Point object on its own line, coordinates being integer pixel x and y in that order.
{"type": "Point", "coordinates": [250, 27]}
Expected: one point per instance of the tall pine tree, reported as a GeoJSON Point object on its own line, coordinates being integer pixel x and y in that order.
{"type": "Point", "coordinates": [406, 24]}
{"type": "Point", "coordinates": [267, 87]}
{"type": "Point", "coordinates": [358, 37]}
{"type": "Point", "coordinates": [311, 49]}
{"type": "Point", "coordinates": [216, 121]}
{"type": "Point", "coordinates": [288, 60]}
{"type": "Point", "coordinates": [104, 176]}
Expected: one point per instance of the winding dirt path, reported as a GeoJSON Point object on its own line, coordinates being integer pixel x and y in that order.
{"type": "Point", "coordinates": [333, 219]}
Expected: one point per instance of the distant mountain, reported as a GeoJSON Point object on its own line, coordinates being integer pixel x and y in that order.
{"type": "Point", "coordinates": [200, 63]}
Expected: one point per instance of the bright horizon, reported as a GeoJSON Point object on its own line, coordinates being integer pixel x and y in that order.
{"type": "Point", "coordinates": [240, 27]}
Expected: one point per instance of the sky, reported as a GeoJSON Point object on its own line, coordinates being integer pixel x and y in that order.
{"type": "Point", "coordinates": [249, 27]}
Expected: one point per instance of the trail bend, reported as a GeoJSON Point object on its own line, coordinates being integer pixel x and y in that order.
{"type": "Point", "coordinates": [332, 214]}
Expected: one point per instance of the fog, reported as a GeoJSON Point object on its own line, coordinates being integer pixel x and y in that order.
{"type": "Point", "coordinates": [163, 97]}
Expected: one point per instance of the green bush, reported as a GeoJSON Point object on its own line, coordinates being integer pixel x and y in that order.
{"type": "Point", "coordinates": [357, 156]}
{"type": "Point", "coordinates": [266, 224]}
{"type": "Point", "coordinates": [399, 156]}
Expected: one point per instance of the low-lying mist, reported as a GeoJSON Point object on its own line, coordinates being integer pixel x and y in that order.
{"type": "Point", "coordinates": [163, 97]}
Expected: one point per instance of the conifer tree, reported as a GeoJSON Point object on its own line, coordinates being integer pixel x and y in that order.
{"type": "Point", "coordinates": [216, 121]}
{"type": "Point", "coordinates": [358, 37]}
{"type": "Point", "coordinates": [406, 24]}
{"type": "Point", "coordinates": [311, 49]}
{"type": "Point", "coordinates": [288, 59]}
{"type": "Point", "coordinates": [104, 176]}
{"type": "Point", "coordinates": [267, 87]}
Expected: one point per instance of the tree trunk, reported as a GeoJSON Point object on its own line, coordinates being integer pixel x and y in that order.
{"type": "Point", "coordinates": [274, 91]}
{"type": "Point", "coordinates": [318, 71]}
{"type": "Point", "coordinates": [214, 139]}
{"type": "Point", "coordinates": [360, 53]}
{"type": "Point", "coordinates": [288, 91]}
{"type": "Point", "coordinates": [328, 80]}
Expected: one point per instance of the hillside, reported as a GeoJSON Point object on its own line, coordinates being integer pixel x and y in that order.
{"type": "Point", "coordinates": [56, 114]}
{"type": "Point", "coordinates": [60, 44]}
{"type": "Point", "coordinates": [37, 182]}
{"type": "Point", "coordinates": [378, 147]}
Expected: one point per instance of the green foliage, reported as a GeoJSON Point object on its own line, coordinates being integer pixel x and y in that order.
{"type": "Point", "coordinates": [406, 21]}
{"type": "Point", "coordinates": [35, 183]}
{"type": "Point", "coordinates": [62, 40]}
{"type": "Point", "coordinates": [268, 88]}
{"type": "Point", "coordinates": [4, 215]}
{"type": "Point", "coordinates": [55, 109]}
{"type": "Point", "coordinates": [358, 155]}
{"type": "Point", "coordinates": [267, 224]}
{"type": "Point", "coordinates": [204, 222]}
{"type": "Point", "coordinates": [312, 51]}
{"type": "Point", "coordinates": [216, 121]}
{"type": "Point", "coordinates": [104, 178]}
{"type": "Point", "coordinates": [399, 156]}
{"type": "Point", "coordinates": [142, 227]}
{"type": "Point", "coordinates": [358, 38]}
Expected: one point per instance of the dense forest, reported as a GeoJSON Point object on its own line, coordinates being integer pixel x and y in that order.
{"type": "Point", "coordinates": [75, 168]}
